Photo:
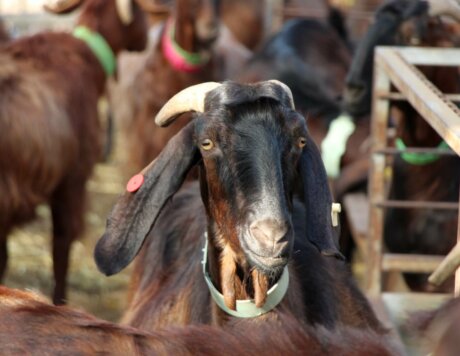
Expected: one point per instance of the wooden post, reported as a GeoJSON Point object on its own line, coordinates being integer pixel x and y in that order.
{"type": "Point", "coordinates": [379, 123]}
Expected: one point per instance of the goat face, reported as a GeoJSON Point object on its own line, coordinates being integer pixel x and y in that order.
{"type": "Point", "coordinates": [254, 152]}
{"type": "Point", "coordinates": [250, 154]}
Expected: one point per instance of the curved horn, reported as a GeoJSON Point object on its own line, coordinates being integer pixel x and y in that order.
{"type": "Point", "coordinates": [61, 6]}
{"type": "Point", "coordinates": [286, 89]}
{"type": "Point", "coordinates": [189, 99]}
{"type": "Point", "coordinates": [125, 11]}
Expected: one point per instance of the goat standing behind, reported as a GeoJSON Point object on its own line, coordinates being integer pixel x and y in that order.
{"type": "Point", "coordinates": [49, 127]}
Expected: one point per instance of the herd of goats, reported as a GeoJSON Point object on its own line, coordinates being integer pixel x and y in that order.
{"type": "Point", "coordinates": [230, 215]}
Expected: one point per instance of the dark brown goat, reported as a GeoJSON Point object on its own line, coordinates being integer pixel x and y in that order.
{"type": "Point", "coordinates": [30, 326]}
{"type": "Point", "coordinates": [311, 58]}
{"type": "Point", "coordinates": [267, 210]}
{"type": "Point", "coordinates": [49, 127]}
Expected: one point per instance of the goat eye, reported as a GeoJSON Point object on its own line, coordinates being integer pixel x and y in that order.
{"type": "Point", "coordinates": [207, 144]}
{"type": "Point", "coordinates": [301, 142]}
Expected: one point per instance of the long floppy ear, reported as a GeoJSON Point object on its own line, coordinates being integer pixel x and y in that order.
{"type": "Point", "coordinates": [318, 201]}
{"type": "Point", "coordinates": [134, 214]}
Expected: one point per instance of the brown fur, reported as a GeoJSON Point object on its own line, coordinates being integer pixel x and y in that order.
{"type": "Point", "coordinates": [49, 129]}
{"type": "Point", "coordinates": [156, 82]}
{"type": "Point", "coordinates": [30, 326]}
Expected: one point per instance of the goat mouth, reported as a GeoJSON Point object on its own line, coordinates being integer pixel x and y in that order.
{"type": "Point", "coordinates": [269, 265]}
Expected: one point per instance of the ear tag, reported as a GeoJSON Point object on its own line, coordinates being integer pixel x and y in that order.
{"type": "Point", "coordinates": [335, 210]}
{"type": "Point", "coordinates": [135, 183]}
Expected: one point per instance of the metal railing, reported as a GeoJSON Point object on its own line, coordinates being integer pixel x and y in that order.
{"type": "Point", "coordinates": [395, 67]}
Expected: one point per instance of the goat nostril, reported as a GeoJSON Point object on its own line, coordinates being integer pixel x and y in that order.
{"type": "Point", "coordinates": [269, 230]}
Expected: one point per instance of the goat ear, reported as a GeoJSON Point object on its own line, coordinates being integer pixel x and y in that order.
{"type": "Point", "coordinates": [134, 214]}
{"type": "Point", "coordinates": [318, 201]}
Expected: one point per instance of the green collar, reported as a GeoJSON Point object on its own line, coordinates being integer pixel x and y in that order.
{"type": "Point", "coordinates": [246, 308]}
{"type": "Point", "coordinates": [99, 46]}
{"type": "Point", "coordinates": [419, 158]}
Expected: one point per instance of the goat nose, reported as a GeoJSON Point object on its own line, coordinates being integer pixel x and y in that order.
{"type": "Point", "coordinates": [269, 231]}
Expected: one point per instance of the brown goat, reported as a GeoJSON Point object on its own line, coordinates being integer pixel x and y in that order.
{"type": "Point", "coordinates": [193, 28]}
{"type": "Point", "coordinates": [30, 326]}
{"type": "Point", "coordinates": [265, 206]}
{"type": "Point", "coordinates": [49, 127]}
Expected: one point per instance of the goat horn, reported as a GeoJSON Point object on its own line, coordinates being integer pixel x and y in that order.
{"type": "Point", "coordinates": [286, 89]}
{"type": "Point", "coordinates": [125, 11]}
{"type": "Point", "coordinates": [189, 99]}
{"type": "Point", "coordinates": [447, 267]}
{"type": "Point", "coordinates": [61, 6]}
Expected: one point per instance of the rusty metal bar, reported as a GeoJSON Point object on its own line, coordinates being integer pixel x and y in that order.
{"type": "Point", "coordinates": [400, 97]}
{"type": "Point", "coordinates": [410, 204]}
{"type": "Point", "coordinates": [410, 263]}
{"type": "Point", "coordinates": [376, 189]}
{"type": "Point", "coordinates": [442, 115]}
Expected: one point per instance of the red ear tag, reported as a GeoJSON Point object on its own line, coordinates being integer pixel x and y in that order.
{"type": "Point", "coordinates": [135, 183]}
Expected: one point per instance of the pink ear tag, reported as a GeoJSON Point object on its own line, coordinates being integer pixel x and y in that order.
{"type": "Point", "coordinates": [135, 183]}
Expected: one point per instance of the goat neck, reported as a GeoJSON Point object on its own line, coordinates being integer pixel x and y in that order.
{"type": "Point", "coordinates": [102, 17]}
{"type": "Point", "coordinates": [196, 26]}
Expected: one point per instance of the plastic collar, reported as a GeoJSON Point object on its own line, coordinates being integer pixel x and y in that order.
{"type": "Point", "coordinates": [246, 308]}
{"type": "Point", "coordinates": [99, 46]}
{"type": "Point", "coordinates": [419, 158]}
{"type": "Point", "coordinates": [179, 58]}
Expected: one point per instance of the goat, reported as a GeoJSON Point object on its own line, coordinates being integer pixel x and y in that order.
{"type": "Point", "coordinates": [185, 53]}
{"type": "Point", "coordinates": [311, 58]}
{"type": "Point", "coordinates": [192, 29]}
{"type": "Point", "coordinates": [267, 215]}
{"type": "Point", "coordinates": [29, 325]}
{"type": "Point", "coordinates": [49, 129]}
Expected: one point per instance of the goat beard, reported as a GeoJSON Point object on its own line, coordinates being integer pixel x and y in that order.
{"type": "Point", "coordinates": [260, 285]}
{"type": "Point", "coordinates": [232, 287]}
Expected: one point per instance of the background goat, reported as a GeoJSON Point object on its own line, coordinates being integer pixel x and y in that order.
{"type": "Point", "coordinates": [254, 155]}
{"type": "Point", "coordinates": [49, 127]}
{"type": "Point", "coordinates": [311, 58]}
{"type": "Point", "coordinates": [182, 55]}
{"type": "Point", "coordinates": [28, 325]}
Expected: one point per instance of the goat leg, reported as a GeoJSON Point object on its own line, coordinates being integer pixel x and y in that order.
{"type": "Point", "coordinates": [260, 284]}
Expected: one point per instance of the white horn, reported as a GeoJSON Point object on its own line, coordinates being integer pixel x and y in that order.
{"type": "Point", "coordinates": [61, 6]}
{"type": "Point", "coordinates": [189, 99]}
{"type": "Point", "coordinates": [125, 11]}
{"type": "Point", "coordinates": [286, 89]}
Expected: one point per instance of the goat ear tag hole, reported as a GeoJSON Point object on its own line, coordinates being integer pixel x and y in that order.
{"type": "Point", "coordinates": [135, 183]}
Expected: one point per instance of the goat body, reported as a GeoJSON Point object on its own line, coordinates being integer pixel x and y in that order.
{"type": "Point", "coordinates": [265, 204]}
{"type": "Point", "coordinates": [50, 135]}
{"type": "Point", "coordinates": [30, 326]}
